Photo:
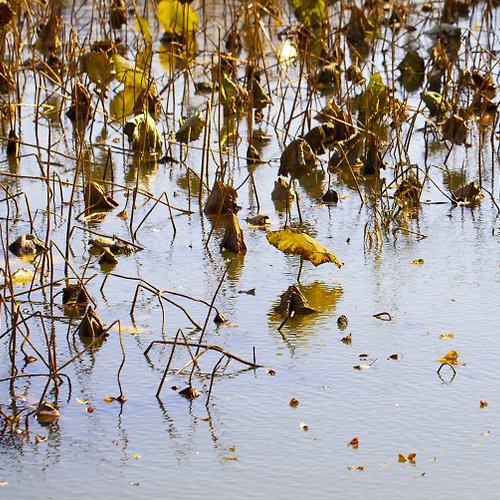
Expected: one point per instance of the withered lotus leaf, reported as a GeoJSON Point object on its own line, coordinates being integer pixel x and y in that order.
{"type": "Point", "coordinates": [222, 200]}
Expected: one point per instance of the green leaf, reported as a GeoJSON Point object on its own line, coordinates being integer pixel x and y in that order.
{"type": "Point", "coordinates": [412, 69]}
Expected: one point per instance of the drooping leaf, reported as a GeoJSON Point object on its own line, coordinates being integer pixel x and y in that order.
{"type": "Point", "coordinates": [297, 159]}
{"type": "Point", "coordinates": [191, 128]}
{"type": "Point", "coordinates": [311, 13]}
{"type": "Point", "coordinates": [131, 75]}
{"type": "Point", "coordinates": [412, 69]}
{"type": "Point", "coordinates": [436, 103]}
{"type": "Point", "coordinates": [143, 134]}
{"type": "Point", "coordinates": [233, 240]}
{"type": "Point", "coordinates": [177, 17]}
{"type": "Point", "coordinates": [299, 243]}
{"type": "Point", "coordinates": [98, 66]}
{"type": "Point", "coordinates": [142, 26]}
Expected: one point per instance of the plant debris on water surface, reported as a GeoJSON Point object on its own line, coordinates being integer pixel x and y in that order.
{"type": "Point", "coordinates": [192, 117]}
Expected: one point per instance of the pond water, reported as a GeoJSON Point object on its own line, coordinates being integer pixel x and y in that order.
{"type": "Point", "coordinates": [248, 441]}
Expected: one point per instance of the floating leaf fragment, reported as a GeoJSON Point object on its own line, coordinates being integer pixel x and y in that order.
{"type": "Point", "coordinates": [347, 340]}
{"type": "Point", "coordinates": [303, 426]}
{"type": "Point", "coordinates": [82, 401]}
{"type": "Point", "coordinates": [40, 439]}
{"type": "Point", "coordinates": [451, 358]}
{"type": "Point", "coordinates": [411, 458]}
{"type": "Point", "coordinates": [354, 443]}
{"type": "Point", "coordinates": [483, 403]}
{"type": "Point", "coordinates": [356, 467]}
{"type": "Point", "coordinates": [294, 402]}
{"type": "Point", "coordinates": [418, 262]}
{"type": "Point", "coordinates": [445, 336]}
{"type": "Point", "coordinates": [259, 220]}
{"type": "Point", "coordinates": [136, 456]}
{"type": "Point", "coordinates": [109, 399]}
{"type": "Point", "coordinates": [90, 409]}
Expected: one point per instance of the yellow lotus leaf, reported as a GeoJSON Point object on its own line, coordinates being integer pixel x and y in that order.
{"type": "Point", "coordinates": [177, 17]}
{"type": "Point", "coordinates": [142, 25]}
{"type": "Point", "coordinates": [451, 357]}
{"type": "Point", "coordinates": [122, 104]}
{"type": "Point", "coordinates": [22, 276]}
{"type": "Point", "coordinates": [128, 73]}
{"type": "Point", "coordinates": [298, 243]}
{"type": "Point", "coordinates": [98, 66]}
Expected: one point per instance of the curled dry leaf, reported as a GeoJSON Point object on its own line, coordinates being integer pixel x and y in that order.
{"type": "Point", "coordinates": [294, 301]}
{"type": "Point", "coordinates": [108, 257]}
{"type": "Point", "coordinates": [233, 240]}
{"type": "Point", "coordinates": [80, 109]}
{"type": "Point", "coordinates": [117, 14]}
{"type": "Point", "coordinates": [294, 402]}
{"type": "Point", "coordinates": [143, 135]}
{"type": "Point", "coordinates": [6, 14]}
{"type": "Point", "coordinates": [411, 458]}
{"type": "Point", "coordinates": [47, 413]}
{"type": "Point", "coordinates": [190, 393]}
{"type": "Point", "coordinates": [97, 199]}
{"type": "Point", "coordinates": [297, 159]}
{"type": "Point", "coordinates": [444, 336]}
{"type": "Point", "coordinates": [483, 403]}
{"type": "Point", "coordinates": [347, 340]}
{"type": "Point", "coordinates": [408, 192]}
{"type": "Point", "coordinates": [356, 467]}
{"type": "Point", "coordinates": [470, 193]}
{"type": "Point", "coordinates": [75, 296]}
{"type": "Point", "coordinates": [455, 129]}
{"type": "Point", "coordinates": [91, 326]}
{"type": "Point", "coordinates": [191, 128]}
{"type": "Point", "coordinates": [259, 220]}
{"type": "Point", "coordinates": [222, 200]}
{"type": "Point", "coordinates": [220, 319]}
{"type": "Point", "coordinates": [27, 245]}
{"type": "Point", "coordinates": [283, 191]}
{"type": "Point", "coordinates": [303, 426]}
{"type": "Point", "coordinates": [330, 196]}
